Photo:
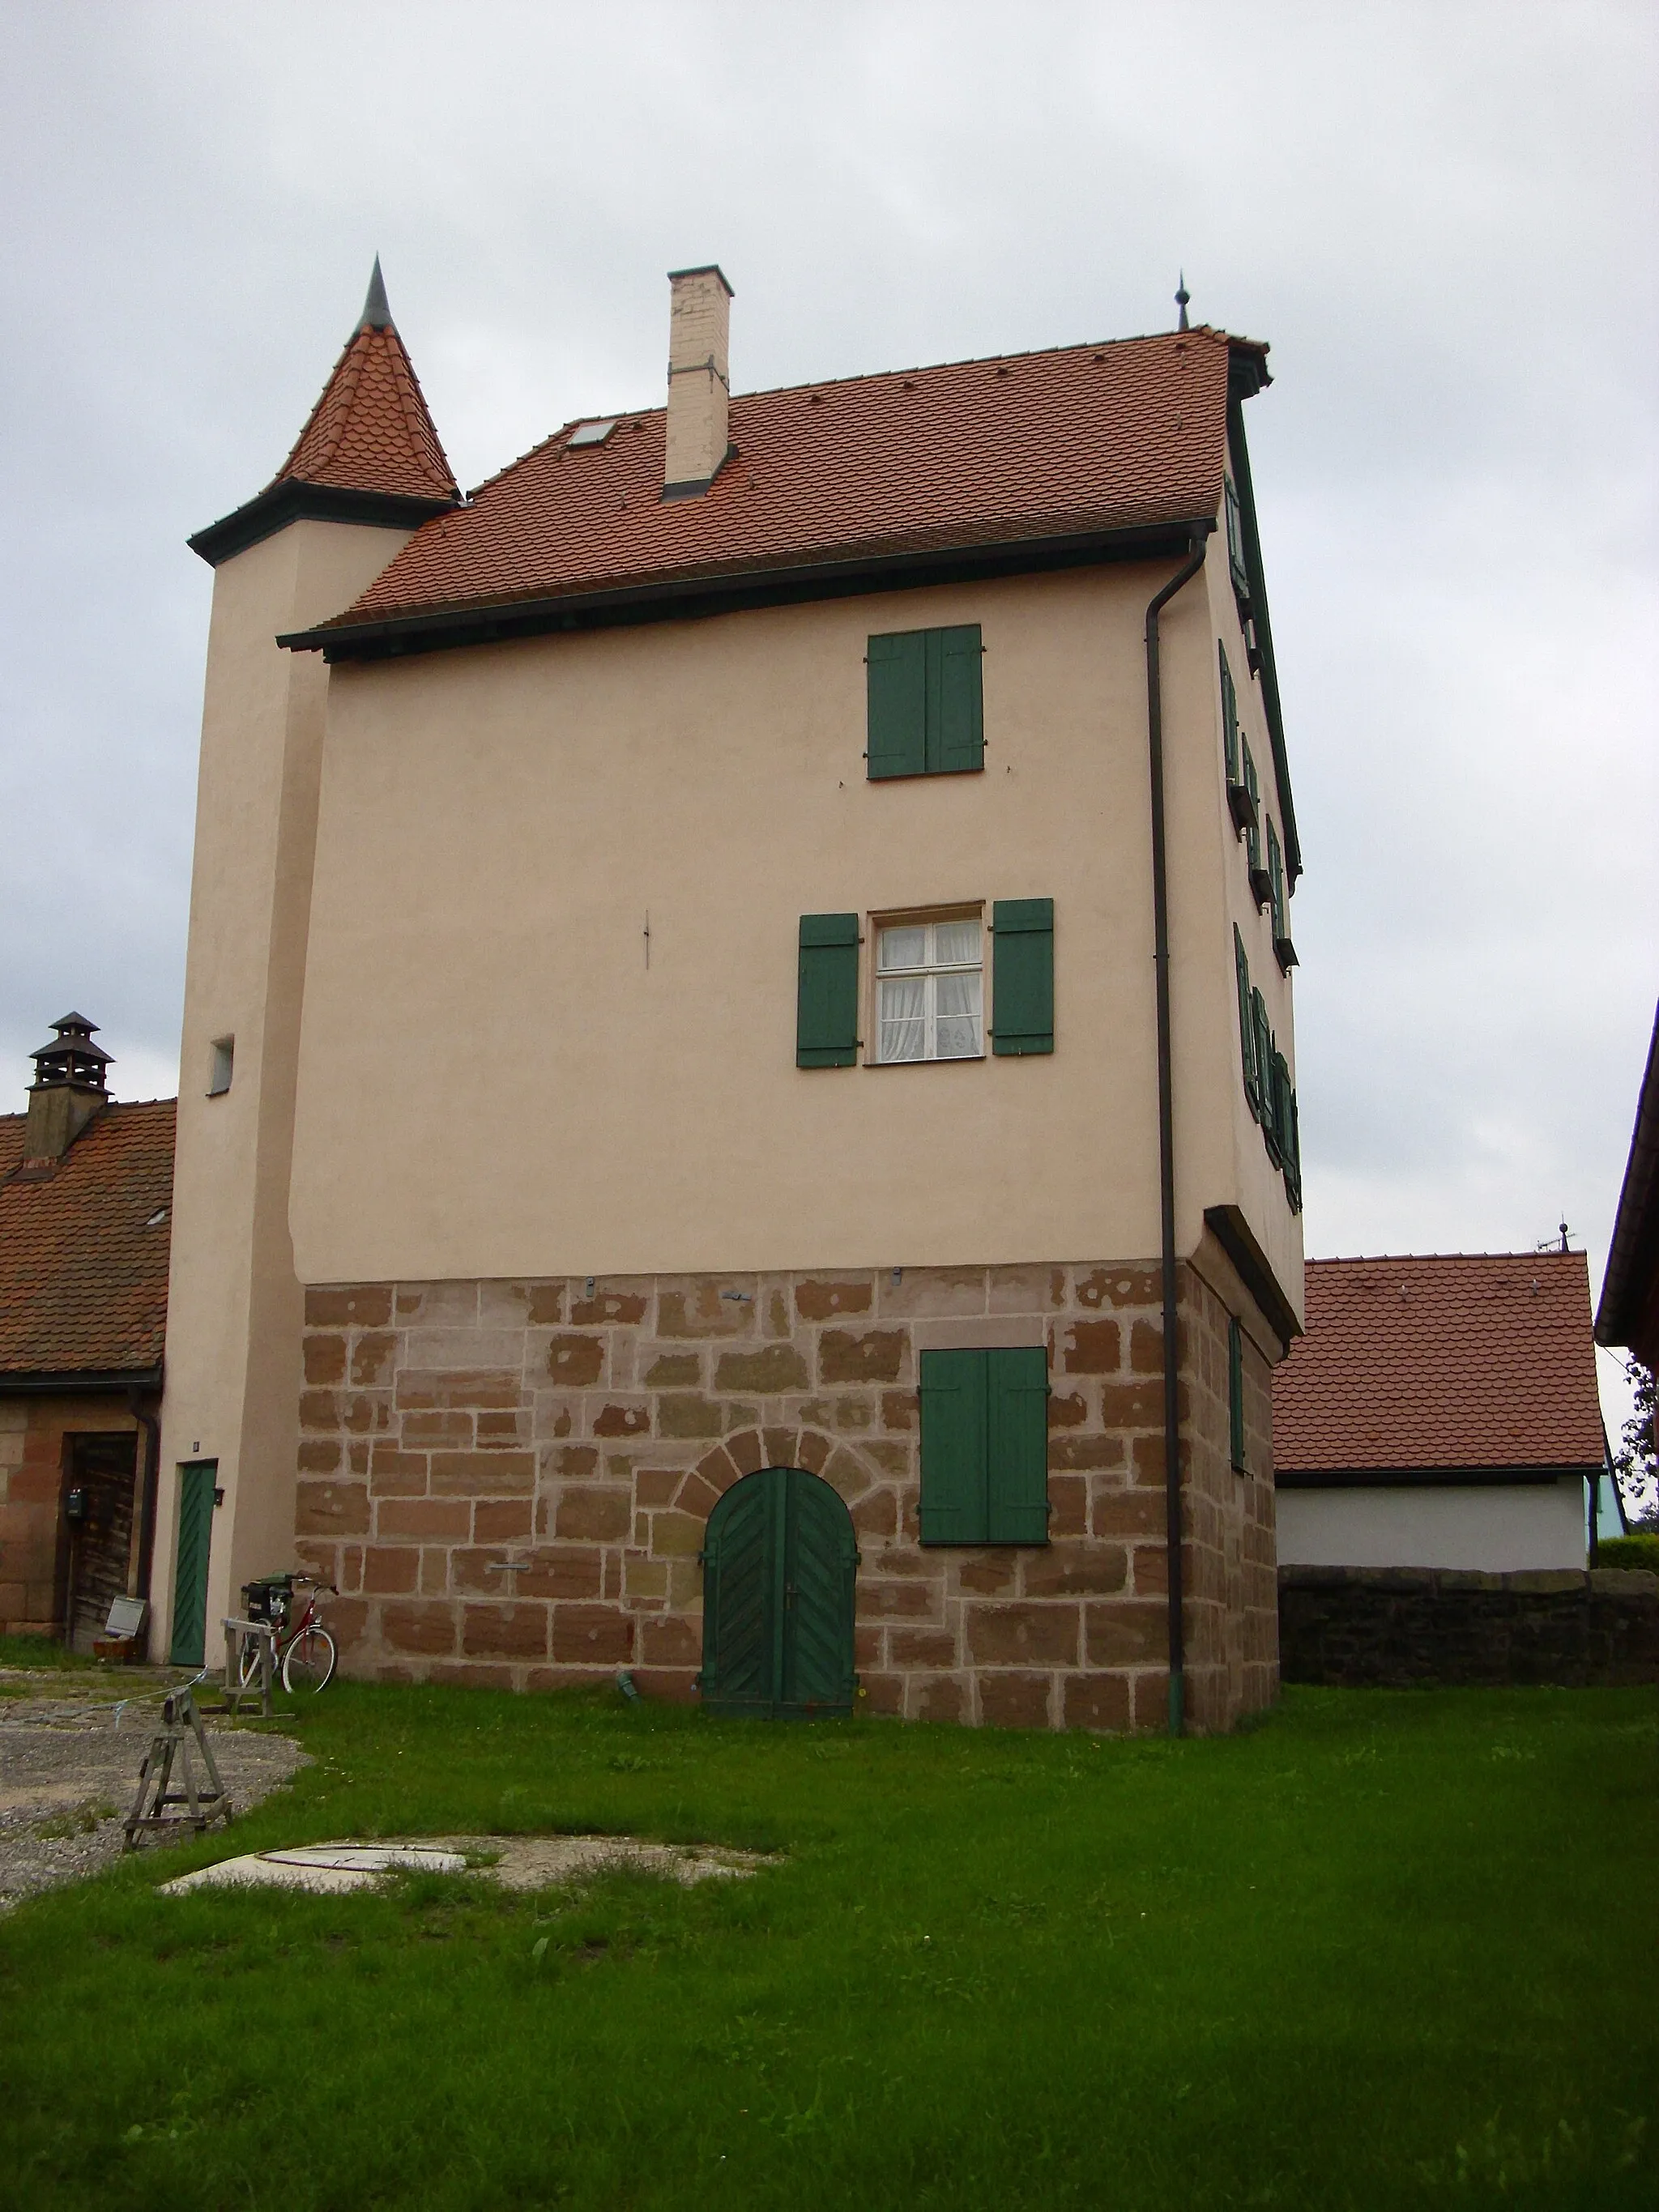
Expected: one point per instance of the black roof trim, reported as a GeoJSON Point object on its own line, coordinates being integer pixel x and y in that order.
{"type": "Point", "coordinates": [1424, 1478]}
{"type": "Point", "coordinates": [1634, 1255]}
{"type": "Point", "coordinates": [1238, 1241]}
{"type": "Point", "coordinates": [1240, 455]}
{"type": "Point", "coordinates": [684, 598]}
{"type": "Point", "coordinates": [289, 499]}
{"type": "Point", "coordinates": [69, 1380]}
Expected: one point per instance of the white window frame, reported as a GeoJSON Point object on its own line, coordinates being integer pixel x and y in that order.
{"type": "Point", "coordinates": [929, 970]}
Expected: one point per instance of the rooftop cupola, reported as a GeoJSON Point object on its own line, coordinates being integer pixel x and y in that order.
{"type": "Point", "coordinates": [67, 1090]}
{"type": "Point", "coordinates": [699, 381]}
{"type": "Point", "coordinates": [368, 451]}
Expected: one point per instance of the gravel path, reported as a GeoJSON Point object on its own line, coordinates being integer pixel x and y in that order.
{"type": "Point", "coordinates": [69, 1767]}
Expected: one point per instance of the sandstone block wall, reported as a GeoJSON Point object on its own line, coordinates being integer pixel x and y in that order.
{"type": "Point", "coordinates": [509, 1483]}
{"type": "Point", "coordinates": [1409, 1627]}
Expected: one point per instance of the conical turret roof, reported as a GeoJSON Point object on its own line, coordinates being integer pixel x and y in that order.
{"type": "Point", "coordinates": [368, 451]}
{"type": "Point", "coordinates": [370, 430]}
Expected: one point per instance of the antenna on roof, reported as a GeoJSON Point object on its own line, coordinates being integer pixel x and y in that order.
{"type": "Point", "coordinates": [376, 315]}
{"type": "Point", "coordinates": [1183, 295]}
{"type": "Point", "coordinates": [1549, 1243]}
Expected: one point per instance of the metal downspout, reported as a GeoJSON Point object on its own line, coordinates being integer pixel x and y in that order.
{"type": "Point", "coordinates": [1184, 575]}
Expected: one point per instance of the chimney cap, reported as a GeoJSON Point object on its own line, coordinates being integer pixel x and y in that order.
{"type": "Point", "coordinates": [71, 1056]}
{"type": "Point", "coordinates": [704, 269]}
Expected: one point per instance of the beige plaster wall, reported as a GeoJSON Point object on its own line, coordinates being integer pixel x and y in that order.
{"type": "Point", "coordinates": [493, 1082]}
{"type": "Point", "coordinates": [235, 1307]}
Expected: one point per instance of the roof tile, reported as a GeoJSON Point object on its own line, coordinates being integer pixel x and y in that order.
{"type": "Point", "coordinates": [1454, 1360]}
{"type": "Point", "coordinates": [370, 430]}
{"type": "Point", "coordinates": [83, 1264]}
{"type": "Point", "coordinates": [1081, 438]}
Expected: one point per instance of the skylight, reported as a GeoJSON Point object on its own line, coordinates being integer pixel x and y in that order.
{"type": "Point", "coordinates": [591, 433]}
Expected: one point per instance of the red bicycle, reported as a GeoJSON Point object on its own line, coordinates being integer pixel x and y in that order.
{"type": "Point", "coordinates": [302, 1649]}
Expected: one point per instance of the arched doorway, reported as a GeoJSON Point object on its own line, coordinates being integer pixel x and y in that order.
{"type": "Point", "coordinates": [779, 1565]}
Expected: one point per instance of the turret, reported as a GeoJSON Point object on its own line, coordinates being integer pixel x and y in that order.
{"type": "Point", "coordinates": [368, 451]}
{"type": "Point", "coordinates": [366, 470]}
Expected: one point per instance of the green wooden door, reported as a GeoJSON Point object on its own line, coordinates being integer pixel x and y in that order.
{"type": "Point", "coordinates": [780, 1565]}
{"type": "Point", "coordinates": [190, 1580]}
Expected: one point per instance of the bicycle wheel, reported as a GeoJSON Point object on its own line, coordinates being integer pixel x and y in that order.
{"type": "Point", "coordinates": [247, 1666]}
{"type": "Point", "coordinates": [308, 1662]}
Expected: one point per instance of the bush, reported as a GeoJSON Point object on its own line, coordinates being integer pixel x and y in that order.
{"type": "Point", "coordinates": [1641, 1551]}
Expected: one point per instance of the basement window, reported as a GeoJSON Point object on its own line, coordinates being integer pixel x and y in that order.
{"type": "Point", "coordinates": [220, 1065]}
{"type": "Point", "coordinates": [591, 433]}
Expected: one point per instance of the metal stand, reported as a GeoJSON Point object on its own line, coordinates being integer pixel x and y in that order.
{"type": "Point", "coordinates": [180, 1725]}
{"type": "Point", "coordinates": [237, 1632]}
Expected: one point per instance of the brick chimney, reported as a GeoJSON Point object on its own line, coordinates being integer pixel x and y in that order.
{"type": "Point", "coordinates": [67, 1090]}
{"type": "Point", "coordinates": [699, 386]}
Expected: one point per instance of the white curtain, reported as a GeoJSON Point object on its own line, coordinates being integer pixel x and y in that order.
{"type": "Point", "coordinates": [901, 1024]}
{"type": "Point", "coordinates": [956, 1009]}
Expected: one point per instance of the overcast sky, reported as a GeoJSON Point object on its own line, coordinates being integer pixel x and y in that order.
{"type": "Point", "coordinates": [1442, 217]}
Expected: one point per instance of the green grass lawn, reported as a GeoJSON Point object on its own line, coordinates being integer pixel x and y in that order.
{"type": "Point", "coordinates": [1371, 1953]}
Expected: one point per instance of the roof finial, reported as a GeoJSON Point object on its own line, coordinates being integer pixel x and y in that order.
{"type": "Point", "coordinates": [1183, 295]}
{"type": "Point", "coordinates": [377, 316]}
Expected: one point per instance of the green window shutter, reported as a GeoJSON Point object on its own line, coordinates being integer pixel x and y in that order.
{"type": "Point", "coordinates": [1283, 1139]}
{"type": "Point", "coordinates": [1017, 1438]}
{"type": "Point", "coordinates": [1276, 877]}
{"type": "Point", "coordinates": [1229, 716]}
{"type": "Point", "coordinates": [1236, 1392]}
{"type": "Point", "coordinates": [1264, 1068]}
{"type": "Point", "coordinates": [1246, 1024]}
{"type": "Point", "coordinates": [1023, 976]}
{"type": "Point", "coordinates": [953, 1447]}
{"type": "Point", "coordinates": [1236, 561]}
{"type": "Point", "coordinates": [1294, 1152]}
{"type": "Point", "coordinates": [1252, 836]}
{"type": "Point", "coordinates": [956, 711]}
{"type": "Point", "coordinates": [897, 668]}
{"type": "Point", "coordinates": [827, 994]}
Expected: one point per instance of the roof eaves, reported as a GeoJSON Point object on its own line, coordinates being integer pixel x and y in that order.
{"type": "Point", "coordinates": [291, 499]}
{"type": "Point", "coordinates": [18, 1383]}
{"type": "Point", "coordinates": [709, 591]}
{"type": "Point", "coordinates": [1477, 1474]}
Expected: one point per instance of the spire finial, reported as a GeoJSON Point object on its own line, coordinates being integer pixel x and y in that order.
{"type": "Point", "coordinates": [377, 315]}
{"type": "Point", "coordinates": [1183, 295]}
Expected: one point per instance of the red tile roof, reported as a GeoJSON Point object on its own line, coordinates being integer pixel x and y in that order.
{"type": "Point", "coordinates": [84, 1266]}
{"type": "Point", "coordinates": [1082, 439]}
{"type": "Point", "coordinates": [370, 431]}
{"type": "Point", "coordinates": [1462, 1360]}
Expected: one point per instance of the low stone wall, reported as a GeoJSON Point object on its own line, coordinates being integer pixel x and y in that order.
{"type": "Point", "coordinates": [1406, 1627]}
{"type": "Point", "coordinates": [509, 1482]}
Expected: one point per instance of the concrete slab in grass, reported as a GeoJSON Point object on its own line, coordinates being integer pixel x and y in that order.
{"type": "Point", "coordinates": [526, 1862]}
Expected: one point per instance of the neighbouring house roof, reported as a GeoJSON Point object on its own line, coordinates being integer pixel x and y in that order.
{"type": "Point", "coordinates": [1081, 440]}
{"type": "Point", "coordinates": [1451, 1366]}
{"type": "Point", "coordinates": [1628, 1313]}
{"type": "Point", "coordinates": [83, 1258]}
